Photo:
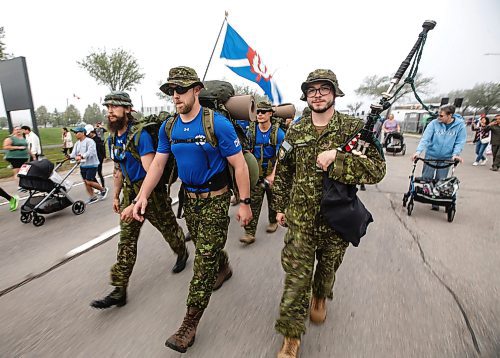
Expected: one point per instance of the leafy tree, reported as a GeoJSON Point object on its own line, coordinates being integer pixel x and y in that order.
{"type": "Point", "coordinates": [118, 70]}
{"type": "Point", "coordinates": [485, 96]}
{"type": "Point", "coordinates": [3, 55]}
{"type": "Point", "coordinates": [57, 118]}
{"type": "Point", "coordinates": [240, 89]}
{"type": "Point", "coordinates": [374, 86]}
{"type": "Point", "coordinates": [72, 115]}
{"type": "Point", "coordinates": [354, 107]}
{"type": "Point", "coordinates": [93, 114]}
{"type": "Point", "coordinates": [3, 122]}
{"type": "Point", "coordinates": [42, 116]}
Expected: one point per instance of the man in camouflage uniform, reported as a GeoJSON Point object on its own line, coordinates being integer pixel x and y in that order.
{"type": "Point", "coordinates": [265, 139]}
{"type": "Point", "coordinates": [203, 170]}
{"type": "Point", "coordinates": [128, 176]}
{"type": "Point", "coordinates": [309, 149]}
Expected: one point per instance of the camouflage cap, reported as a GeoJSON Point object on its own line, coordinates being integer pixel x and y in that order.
{"type": "Point", "coordinates": [321, 75]}
{"type": "Point", "coordinates": [181, 76]}
{"type": "Point", "coordinates": [265, 105]}
{"type": "Point", "coordinates": [118, 98]}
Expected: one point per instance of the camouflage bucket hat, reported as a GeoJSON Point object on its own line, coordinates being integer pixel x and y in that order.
{"type": "Point", "coordinates": [321, 75]}
{"type": "Point", "coordinates": [118, 98]}
{"type": "Point", "coordinates": [181, 76]}
{"type": "Point", "coordinates": [265, 105]}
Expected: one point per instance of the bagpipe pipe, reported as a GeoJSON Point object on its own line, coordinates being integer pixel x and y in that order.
{"type": "Point", "coordinates": [340, 206]}
{"type": "Point", "coordinates": [358, 143]}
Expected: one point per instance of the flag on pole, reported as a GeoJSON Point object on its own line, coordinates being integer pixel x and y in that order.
{"type": "Point", "coordinates": [75, 96]}
{"type": "Point", "coordinates": [246, 62]}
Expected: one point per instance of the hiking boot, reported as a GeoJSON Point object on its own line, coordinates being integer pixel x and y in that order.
{"type": "Point", "coordinates": [180, 264]}
{"type": "Point", "coordinates": [272, 227]}
{"type": "Point", "coordinates": [13, 203]}
{"type": "Point", "coordinates": [290, 348]}
{"type": "Point", "coordinates": [495, 169]}
{"type": "Point", "coordinates": [223, 275]}
{"type": "Point", "coordinates": [118, 298]}
{"type": "Point", "coordinates": [247, 239]}
{"type": "Point", "coordinates": [181, 340]}
{"type": "Point", "coordinates": [318, 310]}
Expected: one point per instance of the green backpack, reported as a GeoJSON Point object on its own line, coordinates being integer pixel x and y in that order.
{"type": "Point", "coordinates": [252, 134]}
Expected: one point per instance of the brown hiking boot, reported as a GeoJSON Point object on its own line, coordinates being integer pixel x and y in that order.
{"type": "Point", "coordinates": [223, 275]}
{"type": "Point", "coordinates": [247, 239]}
{"type": "Point", "coordinates": [290, 348]}
{"type": "Point", "coordinates": [272, 227]}
{"type": "Point", "coordinates": [181, 340]}
{"type": "Point", "coordinates": [318, 310]}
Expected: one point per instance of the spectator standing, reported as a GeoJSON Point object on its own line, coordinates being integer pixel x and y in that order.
{"type": "Point", "coordinates": [495, 142]}
{"type": "Point", "coordinates": [35, 149]}
{"type": "Point", "coordinates": [483, 139]}
{"type": "Point", "coordinates": [67, 141]}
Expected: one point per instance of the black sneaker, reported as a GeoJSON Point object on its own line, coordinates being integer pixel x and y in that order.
{"type": "Point", "coordinates": [118, 298]}
{"type": "Point", "coordinates": [104, 193]}
{"type": "Point", "coordinates": [180, 264]}
{"type": "Point", "coordinates": [92, 200]}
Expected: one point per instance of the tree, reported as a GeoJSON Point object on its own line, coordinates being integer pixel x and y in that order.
{"type": "Point", "coordinates": [118, 70]}
{"type": "Point", "coordinates": [374, 86]}
{"type": "Point", "coordinates": [42, 116]}
{"type": "Point", "coordinates": [354, 107]}
{"type": "Point", "coordinates": [3, 55]}
{"type": "Point", "coordinates": [485, 96]}
{"type": "Point", "coordinates": [3, 122]}
{"type": "Point", "coordinates": [242, 90]}
{"type": "Point", "coordinates": [72, 115]}
{"type": "Point", "coordinates": [57, 118]}
{"type": "Point", "coordinates": [93, 114]}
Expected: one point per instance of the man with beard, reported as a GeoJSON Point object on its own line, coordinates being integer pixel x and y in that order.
{"type": "Point", "coordinates": [203, 169]}
{"type": "Point", "coordinates": [309, 151]}
{"type": "Point", "coordinates": [265, 139]}
{"type": "Point", "coordinates": [129, 174]}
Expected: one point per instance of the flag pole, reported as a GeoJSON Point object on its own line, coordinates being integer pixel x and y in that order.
{"type": "Point", "coordinates": [216, 41]}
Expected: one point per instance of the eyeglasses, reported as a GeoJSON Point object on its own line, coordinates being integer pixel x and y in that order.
{"type": "Point", "coordinates": [263, 111]}
{"type": "Point", "coordinates": [323, 90]}
{"type": "Point", "coordinates": [178, 89]}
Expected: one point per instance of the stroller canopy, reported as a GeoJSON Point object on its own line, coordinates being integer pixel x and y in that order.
{"type": "Point", "coordinates": [39, 169]}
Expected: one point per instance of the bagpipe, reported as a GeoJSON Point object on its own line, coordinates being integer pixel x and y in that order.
{"type": "Point", "coordinates": [340, 206]}
{"type": "Point", "coordinates": [358, 143]}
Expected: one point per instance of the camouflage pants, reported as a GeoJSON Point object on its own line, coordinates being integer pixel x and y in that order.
{"type": "Point", "coordinates": [207, 221]}
{"type": "Point", "coordinates": [159, 213]}
{"type": "Point", "coordinates": [297, 258]}
{"type": "Point", "coordinates": [257, 194]}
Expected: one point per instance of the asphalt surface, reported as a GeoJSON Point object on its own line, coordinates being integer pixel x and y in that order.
{"type": "Point", "coordinates": [417, 286]}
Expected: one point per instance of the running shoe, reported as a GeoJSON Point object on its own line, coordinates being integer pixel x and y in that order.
{"type": "Point", "coordinates": [14, 202]}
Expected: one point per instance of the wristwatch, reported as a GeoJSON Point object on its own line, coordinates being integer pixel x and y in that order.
{"type": "Point", "coordinates": [246, 201]}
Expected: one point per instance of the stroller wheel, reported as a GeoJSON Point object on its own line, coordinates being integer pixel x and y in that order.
{"type": "Point", "coordinates": [451, 213]}
{"type": "Point", "coordinates": [26, 217]}
{"type": "Point", "coordinates": [78, 207]}
{"type": "Point", "coordinates": [410, 208]}
{"type": "Point", "coordinates": [38, 220]}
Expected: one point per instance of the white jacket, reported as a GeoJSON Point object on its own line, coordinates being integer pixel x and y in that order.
{"type": "Point", "coordinates": [34, 143]}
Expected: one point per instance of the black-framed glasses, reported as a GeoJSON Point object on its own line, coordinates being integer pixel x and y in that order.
{"type": "Point", "coordinates": [323, 90]}
{"type": "Point", "coordinates": [263, 111]}
{"type": "Point", "coordinates": [178, 89]}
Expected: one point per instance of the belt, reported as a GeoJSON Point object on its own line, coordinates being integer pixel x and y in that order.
{"type": "Point", "coordinates": [206, 194]}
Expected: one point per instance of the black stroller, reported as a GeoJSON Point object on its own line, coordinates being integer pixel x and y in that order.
{"type": "Point", "coordinates": [48, 191]}
{"type": "Point", "coordinates": [395, 143]}
{"type": "Point", "coordinates": [442, 192]}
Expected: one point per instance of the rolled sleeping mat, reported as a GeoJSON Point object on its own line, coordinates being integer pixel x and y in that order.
{"type": "Point", "coordinates": [242, 107]}
{"type": "Point", "coordinates": [285, 110]}
{"type": "Point", "coordinates": [253, 168]}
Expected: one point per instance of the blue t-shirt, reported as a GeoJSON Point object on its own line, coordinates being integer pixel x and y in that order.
{"type": "Point", "coordinates": [130, 166]}
{"type": "Point", "coordinates": [243, 124]}
{"type": "Point", "coordinates": [263, 138]}
{"type": "Point", "coordinates": [198, 162]}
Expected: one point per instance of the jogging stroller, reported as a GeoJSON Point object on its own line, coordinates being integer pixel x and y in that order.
{"type": "Point", "coordinates": [48, 191]}
{"type": "Point", "coordinates": [442, 192]}
{"type": "Point", "coordinates": [395, 143]}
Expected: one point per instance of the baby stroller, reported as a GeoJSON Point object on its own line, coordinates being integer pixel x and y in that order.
{"type": "Point", "coordinates": [442, 192]}
{"type": "Point", "coordinates": [394, 143]}
{"type": "Point", "coordinates": [48, 191]}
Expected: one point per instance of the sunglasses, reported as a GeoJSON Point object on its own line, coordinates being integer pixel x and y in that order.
{"type": "Point", "coordinates": [263, 111]}
{"type": "Point", "coordinates": [178, 89]}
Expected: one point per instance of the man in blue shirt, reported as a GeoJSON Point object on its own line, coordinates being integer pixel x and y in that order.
{"type": "Point", "coordinates": [203, 169]}
{"type": "Point", "coordinates": [131, 164]}
{"type": "Point", "coordinates": [443, 138]}
{"type": "Point", "coordinates": [265, 139]}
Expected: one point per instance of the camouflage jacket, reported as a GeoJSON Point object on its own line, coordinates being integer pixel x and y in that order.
{"type": "Point", "coordinates": [298, 184]}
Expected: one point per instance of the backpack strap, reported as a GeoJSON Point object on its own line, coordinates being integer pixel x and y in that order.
{"type": "Point", "coordinates": [208, 126]}
{"type": "Point", "coordinates": [169, 125]}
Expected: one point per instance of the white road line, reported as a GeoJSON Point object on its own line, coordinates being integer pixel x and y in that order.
{"type": "Point", "coordinates": [99, 239]}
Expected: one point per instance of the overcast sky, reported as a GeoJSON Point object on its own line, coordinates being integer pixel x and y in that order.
{"type": "Point", "coordinates": [353, 38]}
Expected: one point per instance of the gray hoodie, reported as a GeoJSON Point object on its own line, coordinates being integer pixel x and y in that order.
{"type": "Point", "coordinates": [87, 149]}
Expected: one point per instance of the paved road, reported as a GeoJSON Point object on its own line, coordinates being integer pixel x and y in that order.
{"type": "Point", "coordinates": [416, 287]}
